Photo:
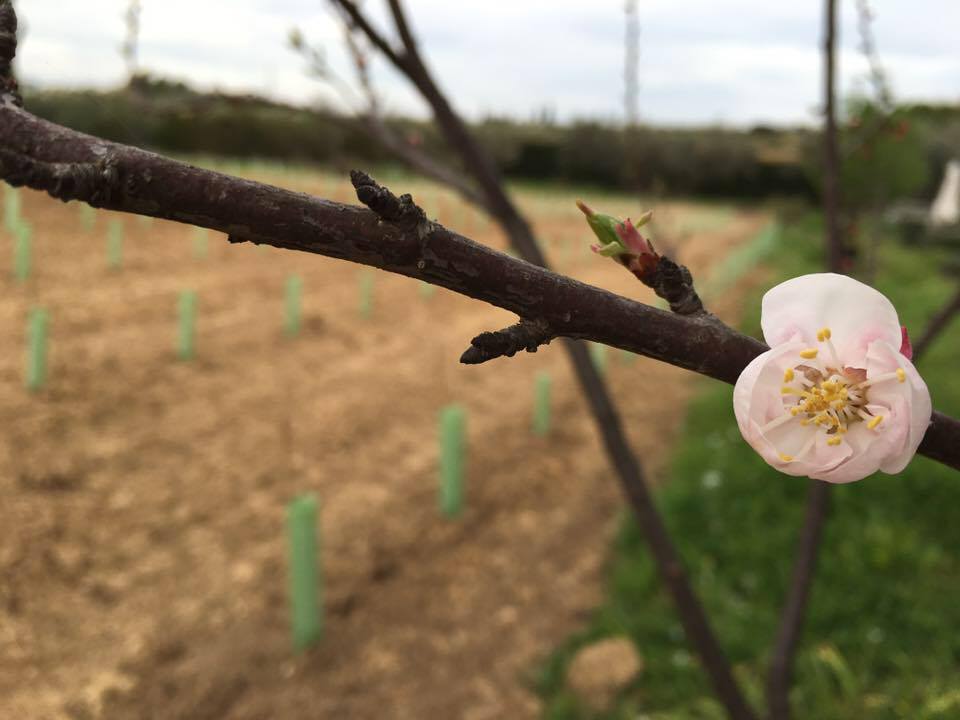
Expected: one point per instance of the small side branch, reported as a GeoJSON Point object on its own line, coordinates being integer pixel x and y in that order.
{"type": "Point", "coordinates": [525, 335]}
{"type": "Point", "coordinates": [400, 211]}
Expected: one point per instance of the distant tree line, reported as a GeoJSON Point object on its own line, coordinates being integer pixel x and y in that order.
{"type": "Point", "coordinates": [712, 161]}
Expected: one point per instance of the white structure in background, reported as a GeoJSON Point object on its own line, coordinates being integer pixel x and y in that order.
{"type": "Point", "coordinates": [946, 207]}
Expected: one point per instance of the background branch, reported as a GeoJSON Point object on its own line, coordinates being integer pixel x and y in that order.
{"type": "Point", "coordinates": [938, 323]}
{"type": "Point", "coordinates": [779, 674]}
{"type": "Point", "coordinates": [413, 156]}
{"type": "Point", "coordinates": [480, 165]}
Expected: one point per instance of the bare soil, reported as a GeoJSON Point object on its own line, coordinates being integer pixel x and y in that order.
{"type": "Point", "coordinates": [142, 547]}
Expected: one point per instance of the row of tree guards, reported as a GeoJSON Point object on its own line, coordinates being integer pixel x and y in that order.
{"type": "Point", "coordinates": [22, 233]}
{"type": "Point", "coordinates": [187, 310]}
{"type": "Point", "coordinates": [305, 568]}
{"type": "Point", "coordinates": [38, 325]}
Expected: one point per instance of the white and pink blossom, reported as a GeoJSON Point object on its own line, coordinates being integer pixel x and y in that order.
{"type": "Point", "coordinates": [836, 397]}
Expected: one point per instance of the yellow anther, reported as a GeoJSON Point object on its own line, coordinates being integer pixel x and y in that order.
{"type": "Point", "coordinates": [876, 421]}
{"type": "Point", "coordinates": [823, 334]}
{"type": "Point", "coordinates": [786, 458]}
{"type": "Point", "coordinates": [794, 411]}
{"type": "Point", "coordinates": [787, 390]}
{"type": "Point", "coordinates": [804, 422]}
{"type": "Point", "coordinates": [808, 354]}
{"type": "Point", "coordinates": [788, 375]}
{"type": "Point", "coordinates": [842, 430]}
{"type": "Point", "coordinates": [901, 375]}
{"type": "Point", "coordinates": [835, 440]}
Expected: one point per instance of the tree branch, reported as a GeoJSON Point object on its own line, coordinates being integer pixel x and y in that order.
{"type": "Point", "coordinates": [938, 323]}
{"type": "Point", "coordinates": [381, 43]}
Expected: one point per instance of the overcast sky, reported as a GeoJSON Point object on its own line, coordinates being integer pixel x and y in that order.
{"type": "Point", "coordinates": [702, 61]}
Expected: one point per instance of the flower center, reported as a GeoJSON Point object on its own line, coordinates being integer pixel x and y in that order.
{"type": "Point", "coordinates": [828, 396]}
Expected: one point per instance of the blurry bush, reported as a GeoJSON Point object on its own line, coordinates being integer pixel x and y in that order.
{"type": "Point", "coordinates": [761, 162]}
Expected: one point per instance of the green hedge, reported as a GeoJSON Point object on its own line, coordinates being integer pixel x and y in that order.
{"type": "Point", "coordinates": [717, 162]}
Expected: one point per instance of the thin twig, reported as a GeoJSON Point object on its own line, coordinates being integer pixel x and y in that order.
{"type": "Point", "coordinates": [880, 122]}
{"type": "Point", "coordinates": [413, 156]}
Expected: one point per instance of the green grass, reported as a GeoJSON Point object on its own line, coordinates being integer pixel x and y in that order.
{"type": "Point", "coordinates": [882, 638]}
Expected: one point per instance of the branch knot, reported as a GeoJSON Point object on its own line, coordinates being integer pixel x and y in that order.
{"type": "Point", "coordinates": [674, 283]}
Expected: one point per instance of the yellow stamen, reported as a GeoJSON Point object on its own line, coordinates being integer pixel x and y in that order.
{"type": "Point", "coordinates": [876, 421]}
{"type": "Point", "coordinates": [901, 375]}
{"type": "Point", "coordinates": [786, 390]}
{"type": "Point", "coordinates": [823, 334]}
{"type": "Point", "coordinates": [795, 411]}
{"type": "Point", "coordinates": [786, 458]}
{"type": "Point", "coordinates": [808, 354]}
{"type": "Point", "coordinates": [835, 440]}
{"type": "Point", "coordinates": [788, 375]}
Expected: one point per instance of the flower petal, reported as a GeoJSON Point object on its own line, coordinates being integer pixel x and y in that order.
{"type": "Point", "coordinates": [855, 313]}
{"type": "Point", "coordinates": [911, 397]}
{"type": "Point", "coordinates": [868, 448]}
{"type": "Point", "coordinates": [753, 397]}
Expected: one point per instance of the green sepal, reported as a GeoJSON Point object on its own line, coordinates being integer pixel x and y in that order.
{"type": "Point", "coordinates": [605, 228]}
{"type": "Point", "coordinates": [613, 249]}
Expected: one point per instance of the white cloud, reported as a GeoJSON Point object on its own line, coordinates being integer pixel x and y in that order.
{"type": "Point", "coordinates": [736, 61]}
